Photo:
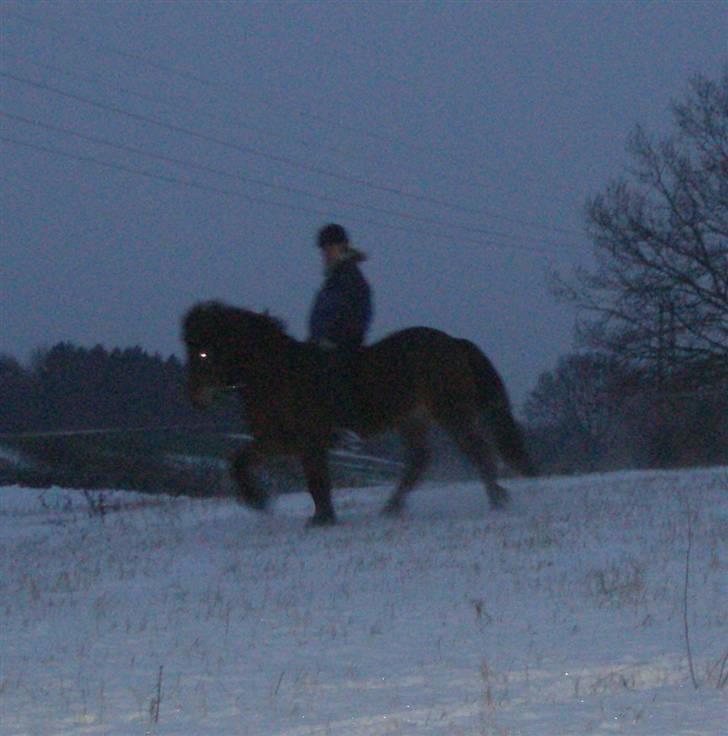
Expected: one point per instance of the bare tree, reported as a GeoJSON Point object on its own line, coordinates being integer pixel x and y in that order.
{"type": "Point", "coordinates": [579, 404]}
{"type": "Point", "coordinates": [658, 296]}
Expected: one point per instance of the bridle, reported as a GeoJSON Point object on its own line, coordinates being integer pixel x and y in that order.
{"type": "Point", "coordinates": [203, 356]}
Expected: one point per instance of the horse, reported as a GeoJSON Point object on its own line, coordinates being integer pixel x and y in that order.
{"type": "Point", "coordinates": [406, 382]}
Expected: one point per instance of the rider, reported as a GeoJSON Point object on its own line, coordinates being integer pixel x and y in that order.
{"type": "Point", "coordinates": [340, 315]}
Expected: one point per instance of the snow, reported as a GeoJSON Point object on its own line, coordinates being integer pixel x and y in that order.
{"type": "Point", "coordinates": [562, 615]}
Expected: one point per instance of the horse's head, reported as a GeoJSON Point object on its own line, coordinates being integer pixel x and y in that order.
{"type": "Point", "coordinates": [207, 364]}
{"type": "Point", "coordinates": [222, 343]}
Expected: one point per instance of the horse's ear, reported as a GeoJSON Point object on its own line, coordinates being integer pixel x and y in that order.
{"type": "Point", "coordinates": [272, 319]}
{"type": "Point", "coordinates": [203, 321]}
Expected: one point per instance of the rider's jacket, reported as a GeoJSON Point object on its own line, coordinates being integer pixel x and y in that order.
{"type": "Point", "coordinates": [342, 309]}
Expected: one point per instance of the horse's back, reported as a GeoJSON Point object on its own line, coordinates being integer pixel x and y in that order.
{"type": "Point", "coordinates": [451, 369]}
{"type": "Point", "coordinates": [416, 355]}
{"type": "Point", "coordinates": [412, 337]}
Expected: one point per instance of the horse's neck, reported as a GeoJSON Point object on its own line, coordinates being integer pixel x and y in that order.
{"type": "Point", "coordinates": [274, 359]}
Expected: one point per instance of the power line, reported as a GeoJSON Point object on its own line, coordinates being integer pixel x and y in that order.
{"type": "Point", "coordinates": [267, 132]}
{"type": "Point", "coordinates": [254, 199]}
{"type": "Point", "coordinates": [188, 104]}
{"type": "Point", "coordinates": [196, 134]}
{"type": "Point", "coordinates": [235, 146]}
{"type": "Point", "coordinates": [262, 182]}
{"type": "Point", "coordinates": [183, 103]}
{"type": "Point", "coordinates": [264, 131]}
{"type": "Point", "coordinates": [107, 50]}
{"type": "Point", "coordinates": [250, 150]}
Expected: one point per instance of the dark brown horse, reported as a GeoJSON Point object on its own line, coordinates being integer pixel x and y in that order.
{"type": "Point", "coordinates": [404, 382]}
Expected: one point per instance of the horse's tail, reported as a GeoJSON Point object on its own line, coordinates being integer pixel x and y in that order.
{"type": "Point", "coordinates": [494, 399]}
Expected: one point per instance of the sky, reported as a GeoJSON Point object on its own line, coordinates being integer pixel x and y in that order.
{"type": "Point", "coordinates": [156, 154]}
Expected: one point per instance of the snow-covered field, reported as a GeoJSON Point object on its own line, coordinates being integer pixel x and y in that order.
{"type": "Point", "coordinates": [563, 615]}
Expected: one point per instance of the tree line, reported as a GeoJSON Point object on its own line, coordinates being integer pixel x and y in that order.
{"type": "Point", "coordinates": [68, 388]}
{"type": "Point", "coordinates": [649, 385]}
{"type": "Point", "coordinates": [138, 403]}
{"type": "Point", "coordinates": [594, 412]}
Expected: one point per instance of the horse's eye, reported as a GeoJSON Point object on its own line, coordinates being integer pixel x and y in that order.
{"type": "Point", "coordinates": [204, 356]}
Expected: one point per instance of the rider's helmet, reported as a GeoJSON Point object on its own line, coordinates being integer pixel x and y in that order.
{"type": "Point", "coordinates": [332, 233]}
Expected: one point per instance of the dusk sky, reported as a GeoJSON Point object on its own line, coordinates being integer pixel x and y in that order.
{"type": "Point", "coordinates": [156, 154]}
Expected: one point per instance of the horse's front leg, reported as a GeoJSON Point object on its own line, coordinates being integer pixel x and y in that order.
{"type": "Point", "coordinates": [249, 492]}
{"type": "Point", "coordinates": [316, 468]}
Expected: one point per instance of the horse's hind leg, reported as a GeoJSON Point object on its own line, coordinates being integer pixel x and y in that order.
{"type": "Point", "coordinates": [471, 437]}
{"type": "Point", "coordinates": [316, 469]}
{"type": "Point", "coordinates": [249, 492]}
{"type": "Point", "coordinates": [417, 458]}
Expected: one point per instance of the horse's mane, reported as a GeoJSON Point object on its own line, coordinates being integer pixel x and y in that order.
{"type": "Point", "coordinates": [215, 321]}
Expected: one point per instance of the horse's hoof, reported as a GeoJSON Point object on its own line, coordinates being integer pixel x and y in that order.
{"type": "Point", "coordinates": [327, 519]}
{"type": "Point", "coordinates": [393, 508]}
{"type": "Point", "coordinates": [499, 498]}
{"type": "Point", "coordinates": [256, 503]}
